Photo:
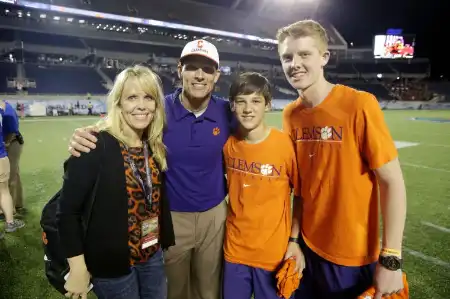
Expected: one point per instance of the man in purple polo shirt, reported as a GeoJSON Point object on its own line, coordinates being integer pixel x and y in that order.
{"type": "Point", "coordinates": [198, 125]}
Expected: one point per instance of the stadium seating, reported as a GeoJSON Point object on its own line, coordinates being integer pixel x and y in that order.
{"type": "Point", "coordinates": [64, 79]}
{"type": "Point", "coordinates": [47, 39]}
{"type": "Point", "coordinates": [110, 72]}
{"type": "Point", "coordinates": [380, 91]}
{"type": "Point", "coordinates": [440, 87]}
{"type": "Point", "coordinates": [7, 70]}
{"type": "Point", "coordinates": [60, 80]}
{"type": "Point", "coordinates": [411, 67]}
{"type": "Point", "coordinates": [373, 68]}
{"type": "Point", "coordinates": [6, 35]}
{"type": "Point", "coordinates": [118, 46]}
{"type": "Point", "coordinates": [344, 68]}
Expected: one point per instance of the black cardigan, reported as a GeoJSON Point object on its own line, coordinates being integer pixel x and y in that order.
{"type": "Point", "coordinates": [106, 245]}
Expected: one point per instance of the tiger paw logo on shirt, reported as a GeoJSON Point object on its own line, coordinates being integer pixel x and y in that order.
{"type": "Point", "coordinates": [326, 133]}
{"type": "Point", "coordinates": [216, 131]}
{"type": "Point", "coordinates": [266, 169]}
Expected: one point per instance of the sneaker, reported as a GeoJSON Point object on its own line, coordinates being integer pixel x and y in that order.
{"type": "Point", "coordinates": [15, 225]}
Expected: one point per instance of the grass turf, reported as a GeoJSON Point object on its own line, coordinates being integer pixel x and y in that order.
{"type": "Point", "coordinates": [426, 169]}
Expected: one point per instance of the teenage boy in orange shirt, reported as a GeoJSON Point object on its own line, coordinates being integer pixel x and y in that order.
{"type": "Point", "coordinates": [261, 170]}
{"type": "Point", "coordinates": [348, 164]}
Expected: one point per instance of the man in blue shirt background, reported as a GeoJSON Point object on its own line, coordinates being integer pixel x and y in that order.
{"type": "Point", "coordinates": [198, 125]}
{"type": "Point", "coordinates": [6, 201]}
{"type": "Point", "coordinates": [14, 143]}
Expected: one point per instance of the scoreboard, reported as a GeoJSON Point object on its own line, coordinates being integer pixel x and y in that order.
{"type": "Point", "coordinates": [390, 46]}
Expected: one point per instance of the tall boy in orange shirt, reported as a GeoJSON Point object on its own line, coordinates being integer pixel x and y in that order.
{"type": "Point", "coordinates": [344, 153]}
{"type": "Point", "coordinates": [261, 170]}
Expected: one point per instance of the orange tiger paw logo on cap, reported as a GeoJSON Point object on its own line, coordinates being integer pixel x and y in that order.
{"type": "Point", "coordinates": [216, 131]}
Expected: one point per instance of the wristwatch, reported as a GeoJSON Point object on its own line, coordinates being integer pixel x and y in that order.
{"type": "Point", "coordinates": [390, 262]}
{"type": "Point", "coordinates": [295, 240]}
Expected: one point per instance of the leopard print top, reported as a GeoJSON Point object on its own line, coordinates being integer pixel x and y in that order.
{"type": "Point", "coordinates": [138, 210]}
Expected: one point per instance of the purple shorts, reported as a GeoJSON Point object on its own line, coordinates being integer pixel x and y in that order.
{"type": "Point", "coordinates": [241, 281]}
{"type": "Point", "coordinates": [323, 279]}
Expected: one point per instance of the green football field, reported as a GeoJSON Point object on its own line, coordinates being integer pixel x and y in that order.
{"type": "Point", "coordinates": [425, 158]}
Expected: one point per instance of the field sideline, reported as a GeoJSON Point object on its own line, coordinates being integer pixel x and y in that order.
{"type": "Point", "coordinates": [424, 154]}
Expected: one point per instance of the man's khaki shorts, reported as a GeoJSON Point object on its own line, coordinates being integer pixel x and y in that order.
{"type": "Point", "coordinates": [4, 169]}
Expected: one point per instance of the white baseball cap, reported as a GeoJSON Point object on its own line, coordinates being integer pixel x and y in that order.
{"type": "Point", "coordinates": [201, 47]}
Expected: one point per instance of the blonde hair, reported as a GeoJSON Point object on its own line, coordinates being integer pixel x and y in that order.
{"type": "Point", "coordinates": [151, 85]}
{"type": "Point", "coordinates": [305, 28]}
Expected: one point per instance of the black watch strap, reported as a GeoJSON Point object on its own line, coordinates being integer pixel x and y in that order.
{"type": "Point", "coordinates": [391, 262]}
{"type": "Point", "coordinates": [295, 240]}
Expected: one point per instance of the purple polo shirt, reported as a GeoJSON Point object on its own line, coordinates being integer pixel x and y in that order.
{"type": "Point", "coordinates": [195, 179]}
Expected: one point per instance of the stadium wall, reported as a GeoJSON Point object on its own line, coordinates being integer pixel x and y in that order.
{"type": "Point", "coordinates": [45, 105]}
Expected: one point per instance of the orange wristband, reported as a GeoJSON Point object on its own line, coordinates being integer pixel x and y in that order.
{"type": "Point", "coordinates": [391, 251]}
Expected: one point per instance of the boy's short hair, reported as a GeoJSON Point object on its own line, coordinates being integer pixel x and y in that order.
{"type": "Point", "coordinates": [305, 28]}
{"type": "Point", "coordinates": [250, 83]}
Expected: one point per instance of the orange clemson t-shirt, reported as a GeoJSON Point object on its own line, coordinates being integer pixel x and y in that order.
{"type": "Point", "coordinates": [260, 177]}
{"type": "Point", "coordinates": [338, 145]}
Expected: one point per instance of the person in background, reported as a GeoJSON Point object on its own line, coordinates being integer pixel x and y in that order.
{"type": "Point", "coordinates": [14, 144]}
{"type": "Point", "coordinates": [22, 110]}
{"type": "Point", "coordinates": [130, 222]}
{"type": "Point", "coordinates": [259, 225]}
{"type": "Point", "coordinates": [89, 106]}
{"type": "Point", "coordinates": [70, 107]}
{"type": "Point", "coordinates": [348, 165]}
{"type": "Point", "coordinates": [6, 201]}
{"type": "Point", "coordinates": [198, 125]}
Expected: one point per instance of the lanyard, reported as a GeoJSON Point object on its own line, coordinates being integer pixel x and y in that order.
{"type": "Point", "coordinates": [147, 186]}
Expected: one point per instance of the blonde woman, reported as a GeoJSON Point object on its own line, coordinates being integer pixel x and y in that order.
{"type": "Point", "coordinates": [130, 222]}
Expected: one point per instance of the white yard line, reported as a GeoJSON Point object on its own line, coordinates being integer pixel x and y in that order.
{"type": "Point", "coordinates": [428, 134]}
{"type": "Point", "coordinates": [60, 119]}
{"type": "Point", "coordinates": [427, 258]}
{"type": "Point", "coordinates": [424, 167]}
{"type": "Point", "coordinates": [403, 144]}
{"type": "Point", "coordinates": [435, 145]}
{"type": "Point", "coordinates": [439, 228]}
